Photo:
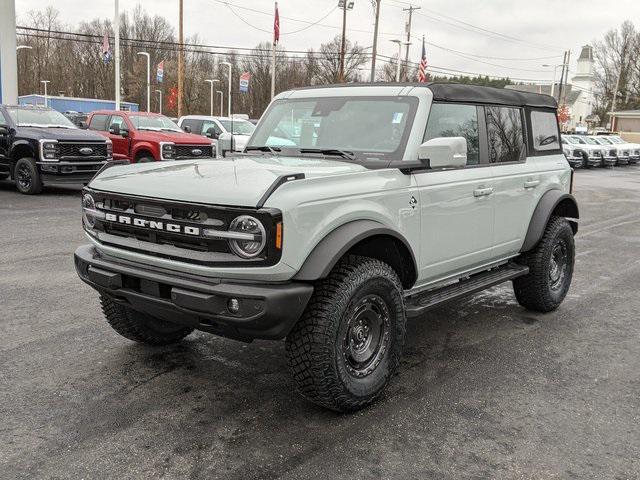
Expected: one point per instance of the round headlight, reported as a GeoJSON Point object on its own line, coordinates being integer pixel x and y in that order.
{"type": "Point", "coordinates": [256, 236]}
{"type": "Point", "coordinates": [88, 203]}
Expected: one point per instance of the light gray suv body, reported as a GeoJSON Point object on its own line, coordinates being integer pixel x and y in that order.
{"type": "Point", "coordinates": [351, 208]}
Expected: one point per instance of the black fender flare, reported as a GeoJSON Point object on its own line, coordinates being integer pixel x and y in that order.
{"type": "Point", "coordinates": [22, 143]}
{"type": "Point", "coordinates": [333, 246]}
{"type": "Point", "coordinates": [550, 201]}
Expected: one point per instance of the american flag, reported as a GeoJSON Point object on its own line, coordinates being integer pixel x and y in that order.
{"type": "Point", "coordinates": [422, 70]}
{"type": "Point", "coordinates": [276, 26]}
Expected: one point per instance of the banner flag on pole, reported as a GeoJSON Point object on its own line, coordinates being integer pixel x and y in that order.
{"type": "Point", "coordinates": [160, 71]}
{"type": "Point", "coordinates": [276, 26]}
{"type": "Point", "coordinates": [106, 49]}
{"type": "Point", "coordinates": [244, 82]}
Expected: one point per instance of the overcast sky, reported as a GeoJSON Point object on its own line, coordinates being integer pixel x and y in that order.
{"type": "Point", "coordinates": [526, 32]}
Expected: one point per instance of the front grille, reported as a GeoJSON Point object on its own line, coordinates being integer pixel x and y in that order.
{"type": "Point", "coordinates": [577, 153]}
{"type": "Point", "coordinates": [72, 150]}
{"type": "Point", "coordinates": [597, 153]}
{"type": "Point", "coordinates": [625, 153]}
{"type": "Point", "coordinates": [612, 153]}
{"type": "Point", "coordinates": [188, 248]}
{"type": "Point", "coordinates": [186, 151]}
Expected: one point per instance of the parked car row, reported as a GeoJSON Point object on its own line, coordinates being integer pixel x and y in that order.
{"type": "Point", "coordinates": [584, 151]}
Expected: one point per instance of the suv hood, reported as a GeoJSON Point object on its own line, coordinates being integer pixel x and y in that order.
{"type": "Point", "coordinates": [176, 137]}
{"type": "Point", "coordinates": [62, 134]}
{"type": "Point", "coordinates": [237, 181]}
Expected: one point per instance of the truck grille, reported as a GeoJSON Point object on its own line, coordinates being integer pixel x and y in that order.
{"type": "Point", "coordinates": [613, 153]}
{"type": "Point", "coordinates": [72, 150]}
{"type": "Point", "coordinates": [187, 151]}
{"type": "Point", "coordinates": [180, 246]}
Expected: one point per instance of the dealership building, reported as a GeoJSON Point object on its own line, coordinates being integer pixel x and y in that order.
{"type": "Point", "coordinates": [73, 104]}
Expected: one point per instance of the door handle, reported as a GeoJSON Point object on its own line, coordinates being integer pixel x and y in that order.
{"type": "Point", "coordinates": [531, 183]}
{"type": "Point", "coordinates": [482, 192]}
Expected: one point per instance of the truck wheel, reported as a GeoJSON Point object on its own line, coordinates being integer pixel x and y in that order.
{"type": "Point", "coordinates": [550, 268]}
{"type": "Point", "coordinates": [140, 327]}
{"type": "Point", "coordinates": [28, 179]}
{"type": "Point", "coordinates": [348, 343]}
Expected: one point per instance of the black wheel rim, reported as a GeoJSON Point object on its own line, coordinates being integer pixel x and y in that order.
{"type": "Point", "coordinates": [558, 265]}
{"type": "Point", "coordinates": [367, 336]}
{"type": "Point", "coordinates": [24, 177]}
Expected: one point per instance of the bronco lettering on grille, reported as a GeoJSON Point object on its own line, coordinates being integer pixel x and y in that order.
{"type": "Point", "coordinates": [152, 224]}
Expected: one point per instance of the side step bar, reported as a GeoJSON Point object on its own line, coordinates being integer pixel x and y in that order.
{"type": "Point", "coordinates": [419, 303]}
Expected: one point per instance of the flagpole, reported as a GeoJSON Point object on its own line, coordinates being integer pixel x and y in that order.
{"type": "Point", "coordinates": [273, 55]}
{"type": "Point", "coordinates": [116, 52]}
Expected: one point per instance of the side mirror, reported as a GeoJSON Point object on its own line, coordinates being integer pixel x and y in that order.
{"type": "Point", "coordinates": [224, 144]}
{"type": "Point", "coordinates": [187, 128]}
{"type": "Point", "coordinates": [211, 133]}
{"type": "Point", "coordinates": [83, 125]}
{"type": "Point", "coordinates": [114, 129]}
{"type": "Point", "coordinates": [4, 130]}
{"type": "Point", "coordinates": [444, 152]}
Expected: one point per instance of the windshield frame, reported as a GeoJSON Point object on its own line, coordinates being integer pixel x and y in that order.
{"type": "Point", "coordinates": [14, 117]}
{"type": "Point", "coordinates": [136, 124]}
{"type": "Point", "coordinates": [359, 156]}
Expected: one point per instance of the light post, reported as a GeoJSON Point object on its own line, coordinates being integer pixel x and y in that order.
{"type": "Point", "coordinates": [148, 79]}
{"type": "Point", "coordinates": [555, 69]}
{"type": "Point", "coordinates": [345, 5]}
{"type": "Point", "coordinates": [45, 82]}
{"type": "Point", "coordinates": [400, 44]}
{"type": "Point", "coordinates": [221, 101]}
{"type": "Point", "coordinates": [159, 92]}
{"type": "Point", "coordinates": [229, 90]}
{"type": "Point", "coordinates": [211, 81]}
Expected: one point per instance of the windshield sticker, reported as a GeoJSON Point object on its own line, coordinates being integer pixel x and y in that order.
{"type": "Point", "coordinates": [397, 117]}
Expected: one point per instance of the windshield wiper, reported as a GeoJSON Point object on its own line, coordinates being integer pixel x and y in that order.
{"type": "Point", "coordinates": [264, 148]}
{"type": "Point", "coordinates": [330, 151]}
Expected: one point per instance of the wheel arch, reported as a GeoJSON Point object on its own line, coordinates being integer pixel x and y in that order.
{"type": "Point", "coordinates": [366, 238]}
{"type": "Point", "coordinates": [20, 149]}
{"type": "Point", "coordinates": [552, 203]}
{"type": "Point", "coordinates": [143, 150]}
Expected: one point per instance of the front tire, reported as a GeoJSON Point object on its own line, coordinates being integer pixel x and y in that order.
{"type": "Point", "coordinates": [140, 327]}
{"type": "Point", "coordinates": [550, 265]}
{"type": "Point", "coordinates": [28, 180]}
{"type": "Point", "coordinates": [348, 343]}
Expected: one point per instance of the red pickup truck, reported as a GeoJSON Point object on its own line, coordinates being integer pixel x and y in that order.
{"type": "Point", "coordinates": [145, 137]}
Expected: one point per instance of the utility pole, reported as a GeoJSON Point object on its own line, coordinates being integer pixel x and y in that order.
{"type": "Point", "coordinates": [345, 5]}
{"type": "Point", "coordinates": [375, 42]}
{"type": "Point", "coordinates": [615, 97]}
{"type": "Point", "coordinates": [406, 57]}
{"type": "Point", "coordinates": [566, 77]}
{"type": "Point", "coordinates": [564, 65]}
{"type": "Point", "coordinates": [180, 58]}
{"type": "Point", "coordinates": [159, 92]}
{"type": "Point", "coordinates": [146, 54]}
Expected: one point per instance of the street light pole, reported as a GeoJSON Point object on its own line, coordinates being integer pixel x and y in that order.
{"type": "Point", "coordinates": [116, 52]}
{"type": "Point", "coordinates": [45, 82]}
{"type": "Point", "coordinates": [344, 5]}
{"type": "Point", "coordinates": [159, 92]}
{"type": "Point", "coordinates": [375, 42]}
{"type": "Point", "coordinates": [211, 81]}
{"type": "Point", "coordinates": [148, 79]}
{"type": "Point", "coordinates": [555, 71]}
{"type": "Point", "coordinates": [221, 102]}
{"type": "Point", "coordinates": [400, 44]}
{"type": "Point", "coordinates": [229, 90]}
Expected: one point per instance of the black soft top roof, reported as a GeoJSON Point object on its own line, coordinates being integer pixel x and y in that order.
{"type": "Point", "coordinates": [462, 93]}
{"type": "Point", "coordinates": [456, 92]}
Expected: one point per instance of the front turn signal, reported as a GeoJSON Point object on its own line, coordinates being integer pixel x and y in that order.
{"type": "Point", "coordinates": [279, 235]}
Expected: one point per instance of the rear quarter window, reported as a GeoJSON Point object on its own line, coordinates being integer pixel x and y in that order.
{"type": "Point", "coordinates": [544, 131]}
{"type": "Point", "coordinates": [98, 122]}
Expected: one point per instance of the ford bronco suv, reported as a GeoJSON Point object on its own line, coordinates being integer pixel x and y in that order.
{"type": "Point", "coordinates": [141, 137]}
{"type": "Point", "coordinates": [40, 146]}
{"type": "Point", "coordinates": [351, 209]}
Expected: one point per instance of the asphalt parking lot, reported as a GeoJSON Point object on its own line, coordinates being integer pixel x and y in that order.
{"type": "Point", "coordinates": [485, 390]}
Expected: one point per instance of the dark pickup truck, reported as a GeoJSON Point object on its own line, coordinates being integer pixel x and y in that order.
{"type": "Point", "coordinates": [40, 146]}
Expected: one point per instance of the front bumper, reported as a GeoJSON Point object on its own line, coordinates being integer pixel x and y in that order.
{"type": "Point", "coordinates": [633, 159]}
{"type": "Point", "coordinates": [623, 160]}
{"type": "Point", "coordinates": [610, 161]}
{"type": "Point", "coordinates": [594, 161]}
{"type": "Point", "coordinates": [267, 311]}
{"type": "Point", "coordinates": [69, 172]}
{"type": "Point", "coordinates": [575, 162]}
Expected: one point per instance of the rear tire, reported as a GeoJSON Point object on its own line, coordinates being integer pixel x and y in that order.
{"type": "Point", "coordinates": [348, 343]}
{"type": "Point", "coordinates": [140, 327]}
{"type": "Point", "coordinates": [550, 265]}
{"type": "Point", "coordinates": [27, 177]}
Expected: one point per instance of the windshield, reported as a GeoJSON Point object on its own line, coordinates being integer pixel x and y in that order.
{"type": "Point", "coordinates": [155, 122]}
{"type": "Point", "coordinates": [591, 141]}
{"type": "Point", "coordinates": [605, 141]}
{"type": "Point", "coordinates": [575, 140]}
{"type": "Point", "coordinates": [240, 127]}
{"type": "Point", "coordinates": [617, 140]}
{"type": "Point", "coordinates": [31, 117]}
{"type": "Point", "coordinates": [367, 127]}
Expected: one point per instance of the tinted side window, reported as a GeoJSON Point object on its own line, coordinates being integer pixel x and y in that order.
{"type": "Point", "coordinates": [450, 120]}
{"type": "Point", "coordinates": [544, 129]}
{"type": "Point", "coordinates": [99, 122]}
{"type": "Point", "coordinates": [505, 134]}
{"type": "Point", "coordinates": [193, 124]}
{"type": "Point", "coordinates": [206, 125]}
{"type": "Point", "coordinates": [3, 121]}
{"type": "Point", "coordinates": [118, 120]}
